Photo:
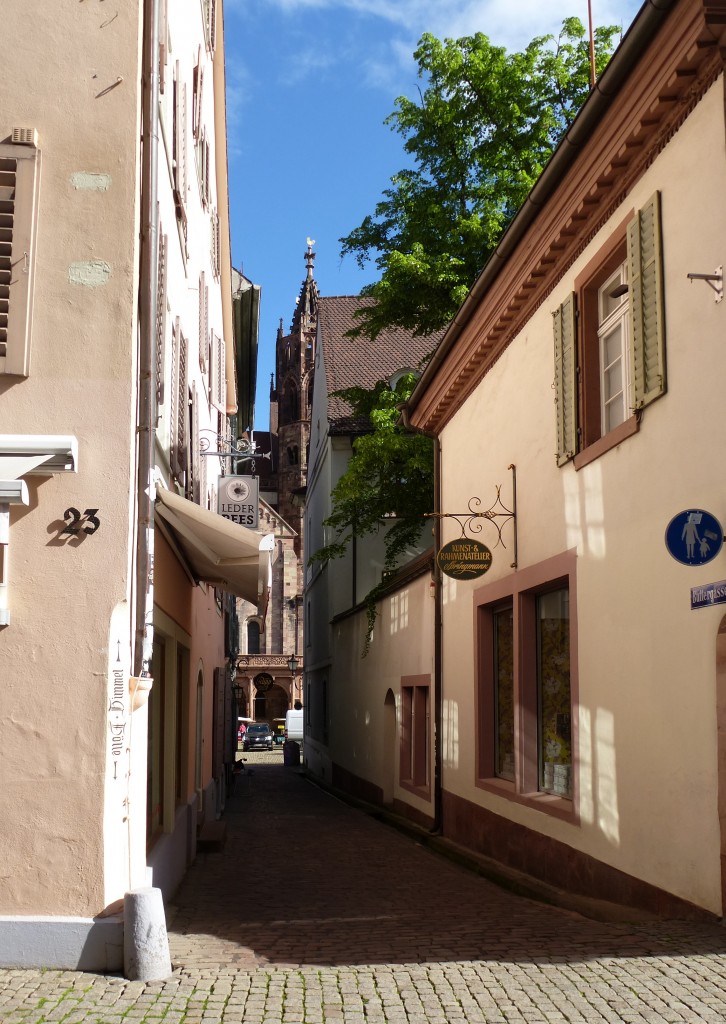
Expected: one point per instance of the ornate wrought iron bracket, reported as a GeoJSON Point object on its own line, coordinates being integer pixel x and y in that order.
{"type": "Point", "coordinates": [242, 448]}
{"type": "Point", "coordinates": [497, 514]}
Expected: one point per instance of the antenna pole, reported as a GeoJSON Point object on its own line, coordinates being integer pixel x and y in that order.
{"type": "Point", "coordinates": [592, 45]}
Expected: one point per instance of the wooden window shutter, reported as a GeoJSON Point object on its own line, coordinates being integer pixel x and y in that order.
{"type": "Point", "coordinates": [194, 486]}
{"type": "Point", "coordinates": [197, 97]}
{"type": "Point", "coordinates": [179, 429]}
{"type": "Point", "coordinates": [180, 144]}
{"type": "Point", "coordinates": [206, 198]}
{"type": "Point", "coordinates": [203, 323]}
{"type": "Point", "coordinates": [647, 325]}
{"type": "Point", "coordinates": [19, 189]}
{"type": "Point", "coordinates": [565, 380]}
{"type": "Point", "coordinates": [161, 283]}
{"type": "Point", "coordinates": [215, 243]}
{"type": "Point", "coordinates": [202, 479]}
{"type": "Point", "coordinates": [218, 381]}
{"type": "Point", "coordinates": [210, 23]}
{"type": "Point", "coordinates": [163, 44]}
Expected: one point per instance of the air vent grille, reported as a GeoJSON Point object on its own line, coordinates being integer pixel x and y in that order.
{"type": "Point", "coordinates": [25, 136]}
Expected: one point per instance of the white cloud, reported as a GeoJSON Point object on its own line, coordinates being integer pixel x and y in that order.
{"type": "Point", "coordinates": [509, 23]}
{"type": "Point", "coordinates": [389, 67]}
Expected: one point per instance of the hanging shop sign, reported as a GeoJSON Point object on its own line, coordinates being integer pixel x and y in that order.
{"type": "Point", "coordinates": [263, 682]}
{"type": "Point", "coordinates": [694, 537]}
{"type": "Point", "coordinates": [238, 499]}
{"type": "Point", "coordinates": [464, 559]}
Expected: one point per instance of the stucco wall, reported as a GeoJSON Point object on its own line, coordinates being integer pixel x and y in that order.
{"type": "Point", "coordinates": [401, 646]}
{"type": "Point", "coordinates": [64, 589]}
{"type": "Point", "coordinates": [647, 769]}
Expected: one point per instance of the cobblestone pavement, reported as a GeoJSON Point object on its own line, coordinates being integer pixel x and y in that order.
{"type": "Point", "coordinates": [316, 913]}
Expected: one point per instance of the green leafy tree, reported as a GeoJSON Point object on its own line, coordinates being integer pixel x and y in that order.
{"type": "Point", "coordinates": [480, 134]}
{"type": "Point", "coordinates": [388, 484]}
{"type": "Point", "coordinates": [485, 125]}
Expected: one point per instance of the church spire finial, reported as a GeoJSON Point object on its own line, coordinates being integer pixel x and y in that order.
{"type": "Point", "coordinates": [310, 257]}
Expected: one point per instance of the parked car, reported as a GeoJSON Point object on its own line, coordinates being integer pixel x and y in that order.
{"type": "Point", "coordinates": [258, 736]}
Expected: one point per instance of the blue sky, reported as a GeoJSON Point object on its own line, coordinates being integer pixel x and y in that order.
{"type": "Point", "coordinates": [309, 85]}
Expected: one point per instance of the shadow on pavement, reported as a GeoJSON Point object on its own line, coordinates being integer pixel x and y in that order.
{"type": "Point", "coordinates": [304, 879]}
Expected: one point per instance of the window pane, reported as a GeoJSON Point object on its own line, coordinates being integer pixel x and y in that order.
{"type": "Point", "coordinates": [554, 702]}
{"type": "Point", "coordinates": [614, 362]}
{"type": "Point", "coordinates": [610, 302]}
{"type": "Point", "coordinates": [504, 693]}
{"type": "Point", "coordinates": [612, 347]}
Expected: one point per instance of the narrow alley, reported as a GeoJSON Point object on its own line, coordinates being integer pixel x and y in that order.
{"type": "Point", "coordinates": [314, 911]}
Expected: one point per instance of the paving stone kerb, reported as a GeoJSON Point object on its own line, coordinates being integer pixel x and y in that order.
{"type": "Point", "coordinates": [315, 912]}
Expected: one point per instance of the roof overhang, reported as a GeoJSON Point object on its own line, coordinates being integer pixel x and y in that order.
{"type": "Point", "coordinates": [216, 550]}
{"type": "Point", "coordinates": [37, 455]}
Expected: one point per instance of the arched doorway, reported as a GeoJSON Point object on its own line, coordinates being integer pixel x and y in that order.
{"type": "Point", "coordinates": [271, 700]}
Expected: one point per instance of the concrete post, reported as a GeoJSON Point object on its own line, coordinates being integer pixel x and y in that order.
{"type": "Point", "coordinates": [146, 945]}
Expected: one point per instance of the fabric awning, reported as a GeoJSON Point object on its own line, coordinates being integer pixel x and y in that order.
{"type": "Point", "coordinates": [218, 551]}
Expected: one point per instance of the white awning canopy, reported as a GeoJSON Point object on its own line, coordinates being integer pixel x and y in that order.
{"type": "Point", "coordinates": [216, 550]}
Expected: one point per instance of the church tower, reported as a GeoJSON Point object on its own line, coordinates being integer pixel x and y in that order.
{"type": "Point", "coordinates": [291, 400]}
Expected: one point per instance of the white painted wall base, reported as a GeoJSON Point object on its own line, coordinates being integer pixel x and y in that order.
{"type": "Point", "coordinates": [63, 943]}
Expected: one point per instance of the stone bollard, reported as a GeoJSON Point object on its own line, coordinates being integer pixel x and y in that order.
{"type": "Point", "coordinates": [146, 945]}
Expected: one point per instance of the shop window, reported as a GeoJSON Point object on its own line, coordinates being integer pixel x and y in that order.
{"type": "Point", "coordinates": [526, 686]}
{"type": "Point", "coordinates": [503, 680]}
{"type": "Point", "coordinates": [610, 341]}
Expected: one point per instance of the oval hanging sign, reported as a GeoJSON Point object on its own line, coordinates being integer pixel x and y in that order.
{"type": "Point", "coordinates": [464, 559]}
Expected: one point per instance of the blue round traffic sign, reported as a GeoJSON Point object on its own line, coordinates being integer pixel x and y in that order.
{"type": "Point", "coordinates": [694, 537]}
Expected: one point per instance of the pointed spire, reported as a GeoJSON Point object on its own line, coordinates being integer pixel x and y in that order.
{"type": "Point", "coordinates": [306, 304]}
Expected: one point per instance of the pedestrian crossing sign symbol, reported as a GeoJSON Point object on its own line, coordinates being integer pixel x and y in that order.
{"type": "Point", "coordinates": [694, 537]}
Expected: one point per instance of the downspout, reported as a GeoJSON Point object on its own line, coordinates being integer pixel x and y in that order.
{"type": "Point", "coordinates": [437, 825]}
{"type": "Point", "coordinates": [146, 960]}
{"type": "Point", "coordinates": [144, 637]}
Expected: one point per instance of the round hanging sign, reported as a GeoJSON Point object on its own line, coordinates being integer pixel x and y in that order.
{"type": "Point", "coordinates": [263, 682]}
{"type": "Point", "coordinates": [464, 559]}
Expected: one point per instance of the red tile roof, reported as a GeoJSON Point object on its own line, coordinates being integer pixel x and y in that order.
{"type": "Point", "coordinates": [359, 362]}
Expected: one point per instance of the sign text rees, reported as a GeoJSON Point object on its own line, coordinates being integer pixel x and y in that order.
{"type": "Point", "coordinates": [238, 500]}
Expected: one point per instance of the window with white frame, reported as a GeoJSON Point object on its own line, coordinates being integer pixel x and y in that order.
{"type": "Point", "coordinates": [613, 335]}
{"type": "Point", "coordinates": [609, 339]}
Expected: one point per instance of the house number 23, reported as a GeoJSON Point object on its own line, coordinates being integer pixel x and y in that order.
{"type": "Point", "coordinates": [86, 522]}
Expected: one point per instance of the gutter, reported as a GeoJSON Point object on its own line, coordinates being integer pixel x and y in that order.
{"type": "Point", "coordinates": [222, 184]}
{"type": "Point", "coordinates": [634, 44]}
{"type": "Point", "coordinates": [146, 429]}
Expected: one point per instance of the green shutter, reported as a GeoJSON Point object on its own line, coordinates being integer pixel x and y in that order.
{"type": "Point", "coordinates": [647, 321]}
{"type": "Point", "coordinates": [565, 380]}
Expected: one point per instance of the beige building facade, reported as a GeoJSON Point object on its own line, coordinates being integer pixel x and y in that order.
{"type": "Point", "coordinates": [582, 676]}
{"type": "Point", "coordinates": [116, 363]}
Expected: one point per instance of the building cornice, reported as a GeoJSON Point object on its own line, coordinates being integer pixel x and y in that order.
{"type": "Point", "coordinates": [671, 56]}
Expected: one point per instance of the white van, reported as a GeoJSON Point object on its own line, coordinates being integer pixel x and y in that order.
{"type": "Point", "coordinates": [294, 726]}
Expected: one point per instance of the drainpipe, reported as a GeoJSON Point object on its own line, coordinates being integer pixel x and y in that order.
{"type": "Point", "coordinates": [146, 946]}
{"type": "Point", "coordinates": [146, 430]}
{"type": "Point", "coordinates": [437, 826]}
